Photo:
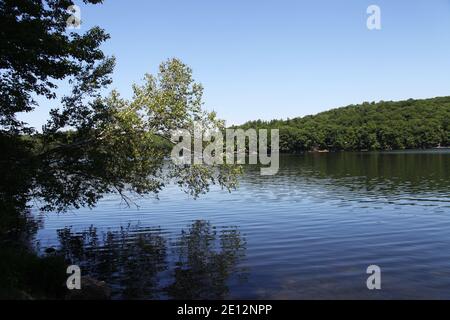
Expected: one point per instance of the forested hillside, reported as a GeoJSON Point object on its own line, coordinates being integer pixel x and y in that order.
{"type": "Point", "coordinates": [384, 125]}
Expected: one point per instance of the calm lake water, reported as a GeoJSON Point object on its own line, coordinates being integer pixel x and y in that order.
{"type": "Point", "coordinates": [310, 232]}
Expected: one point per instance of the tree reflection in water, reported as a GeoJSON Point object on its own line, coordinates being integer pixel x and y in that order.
{"type": "Point", "coordinates": [206, 259]}
{"type": "Point", "coordinates": [127, 260]}
{"type": "Point", "coordinates": [132, 260]}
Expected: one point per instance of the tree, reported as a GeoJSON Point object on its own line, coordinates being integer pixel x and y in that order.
{"type": "Point", "coordinates": [35, 51]}
{"type": "Point", "coordinates": [120, 145]}
{"type": "Point", "coordinates": [371, 126]}
{"type": "Point", "coordinates": [91, 145]}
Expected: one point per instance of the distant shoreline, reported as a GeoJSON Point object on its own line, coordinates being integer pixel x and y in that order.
{"type": "Point", "coordinates": [384, 125]}
{"type": "Point", "coordinates": [368, 151]}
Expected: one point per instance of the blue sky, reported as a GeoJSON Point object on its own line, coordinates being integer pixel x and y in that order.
{"type": "Point", "coordinates": [261, 59]}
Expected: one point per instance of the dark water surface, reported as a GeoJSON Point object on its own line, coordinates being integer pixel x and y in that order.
{"type": "Point", "coordinates": [309, 232]}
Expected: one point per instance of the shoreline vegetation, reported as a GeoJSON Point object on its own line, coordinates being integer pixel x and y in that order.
{"type": "Point", "coordinates": [413, 124]}
{"type": "Point", "coordinates": [375, 126]}
{"type": "Point", "coordinates": [366, 150]}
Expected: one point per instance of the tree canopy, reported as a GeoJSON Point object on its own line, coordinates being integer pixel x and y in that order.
{"type": "Point", "coordinates": [91, 144]}
{"type": "Point", "coordinates": [408, 124]}
{"type": "Point", "coordinates": [36, 51]}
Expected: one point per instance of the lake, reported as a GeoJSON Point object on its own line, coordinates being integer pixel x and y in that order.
{"type": "Point", "coordinates": [309, 232]}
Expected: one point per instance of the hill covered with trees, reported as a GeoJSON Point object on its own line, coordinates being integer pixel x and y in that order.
{"type": "Point", "coordinates": [385, 125]}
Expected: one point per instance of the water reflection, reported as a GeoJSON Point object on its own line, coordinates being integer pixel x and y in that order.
{"type": "Point", "coordinates": [358, 175]}
{"type": "Point", "coordinates": [310, 232]}
{"type": "Point", "coordinates": [127, 260]}
{"type": "Point", "coordinates": [131, 261]}
{"type": "Point", "coordinates": [205, 261]}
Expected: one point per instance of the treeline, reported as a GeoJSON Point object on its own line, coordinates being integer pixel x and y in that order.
{"type": "Point", "coordinates": [408, 124]}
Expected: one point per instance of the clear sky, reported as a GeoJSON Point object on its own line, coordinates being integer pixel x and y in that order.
{"type": "Point", "coordinates": [265, 59]}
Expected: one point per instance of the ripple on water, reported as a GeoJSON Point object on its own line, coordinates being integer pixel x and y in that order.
{"type": "Point", "coordinates": [309, 232]}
